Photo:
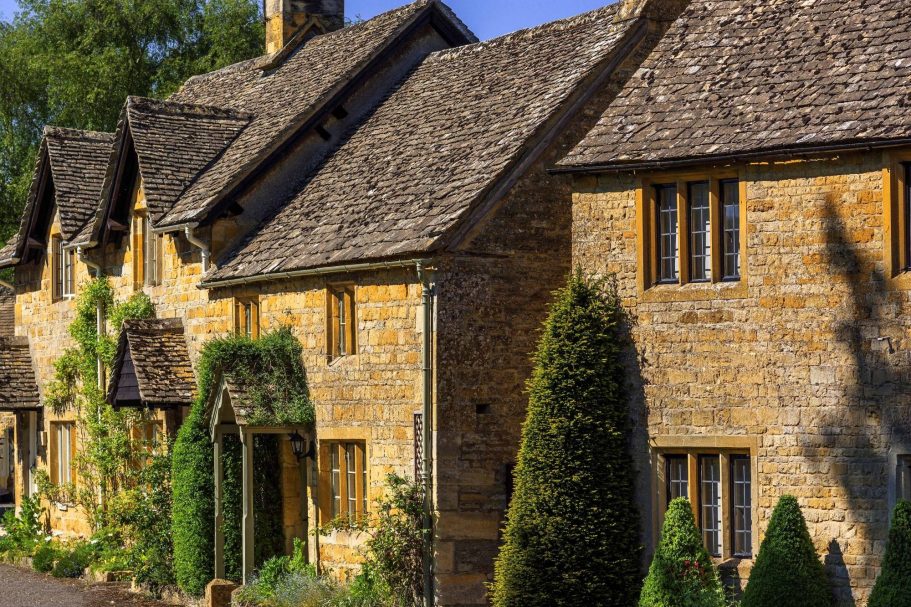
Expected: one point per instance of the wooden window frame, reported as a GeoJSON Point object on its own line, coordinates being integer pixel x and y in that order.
{"type": "Point", "coordinates": [727, 449]}
{"type": "Point", "coordinates": [61, 279]}
{"type": "Point", "coordinates": [343, 451]}
{"type": "Point", "coordinates": [244, 326]}
{"type": "Point", "coordinates": [650, 284]}
{"type": "Point", "coordinates": [55, 463]}
{"type": "Point", "coordinates": [341, 336]}
{"type": "Point", "coordinates": [897, 218]}
{"type": "Point", "coordinates": [147, 252]}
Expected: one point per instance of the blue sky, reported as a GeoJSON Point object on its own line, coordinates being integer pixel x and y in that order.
{"type": "Point", "coordinates": [487, 18]}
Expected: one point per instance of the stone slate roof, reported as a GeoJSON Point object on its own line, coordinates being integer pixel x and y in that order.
{"type": "Point", "coordinates": [736, 77]}
{"type": "Point", "coordinates": [155, 352]}
{"type": "Point", "coordinates": [7, 312]}
{"type": "Point", "coordinates": [77, 161]}
{"type": "Point", "coordinates": [174, 143]}
{"type": "Point", "coordinates": [282, 92]}
{"type": "Point", "coordinates": [434, 149]}
{"type": "Point", "coordinates": [18, 388]}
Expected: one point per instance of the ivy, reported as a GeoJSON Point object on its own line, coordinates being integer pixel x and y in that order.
{"type": "Point", "coordinates": [272, 370]}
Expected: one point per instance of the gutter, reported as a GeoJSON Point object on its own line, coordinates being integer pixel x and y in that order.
{"type": "Point", "coordinates": [426, 277]}
{"type": "Point", "coordinates": [783, 153]}
{"type": "Point", "coordinates": [339, 269]}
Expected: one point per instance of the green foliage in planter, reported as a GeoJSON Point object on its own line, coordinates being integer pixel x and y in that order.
{"type": "Point", "coordinates": [893, 586]}
{"type": "Point", "coordinates": [572, 533]}
{"type": "Point", "coordinates": [682, 573]}
{"type": "Point", "coordinates": [787, 573]}
{"type": "Point", "coordinates": [273, 372]}
{"type": "Point", "coordinates": [44, 557]}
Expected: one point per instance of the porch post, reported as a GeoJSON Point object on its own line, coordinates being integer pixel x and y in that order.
{"type": "Point", "coordinates": [247, 543]}
{"type": "Point", "coordinates": [218, 451]}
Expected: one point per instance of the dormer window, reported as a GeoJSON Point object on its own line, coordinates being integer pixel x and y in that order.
{"type": "Point", "coordinates": [63, 269]}
{"type": "Point", "coordinates": [147, 253]}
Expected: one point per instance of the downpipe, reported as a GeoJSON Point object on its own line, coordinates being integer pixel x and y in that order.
{"type": "Point", "coordinates": [427, 294]}
{"type": "Point", "coordinates": [199, 244]}
{"type": "Point", "coordinates": [99, 316]}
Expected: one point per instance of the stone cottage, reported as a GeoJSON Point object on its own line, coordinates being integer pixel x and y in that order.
{"type": "Point", "coordinates": [749, 189]}
{"type": "Point", "coordinates": [382, 190]}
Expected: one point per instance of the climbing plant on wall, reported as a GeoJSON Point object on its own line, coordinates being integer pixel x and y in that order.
{"type": "Point", "coordinates": [272, 370]}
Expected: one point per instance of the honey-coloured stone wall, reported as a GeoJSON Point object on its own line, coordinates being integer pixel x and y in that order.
{"type": "Point", "coordinates": [811, 360]}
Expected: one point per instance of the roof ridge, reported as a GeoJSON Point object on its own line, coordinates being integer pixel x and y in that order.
{"type": "Point", "coordinates": [70, 133]}
{"type": "Point", "coordinates": [564, 24]}
{"type": "Point", "coordinates": [165, 106]}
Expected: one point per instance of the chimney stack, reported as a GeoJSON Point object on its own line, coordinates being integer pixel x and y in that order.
{"type": "Point", "coordinates": [285, 17]}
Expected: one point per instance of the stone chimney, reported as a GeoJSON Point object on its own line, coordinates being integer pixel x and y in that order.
{"type": "Point", "coordinates": [659, 10]}
{"type": "Point", "coordinates": [285, 17]}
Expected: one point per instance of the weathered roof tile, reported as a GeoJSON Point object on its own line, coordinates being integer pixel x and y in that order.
{"type": "Point", "coordinates": [18, 388]}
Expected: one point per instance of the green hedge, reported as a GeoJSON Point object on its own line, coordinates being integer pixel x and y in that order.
{"type": "Point", "coordinates": [893, 586]}
{"type": "Point", "coordinates": [787, 573]}
{"type": "Point", "coordinates": [572, 536]}
{"type": "Point", "coordinates": [272, 369]}
{"type": "Point", "coordinates": [232, 507]}
{"type": "Point", "coordinates": [682, 573]}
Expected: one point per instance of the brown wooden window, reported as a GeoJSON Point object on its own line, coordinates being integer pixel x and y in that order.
{"type": "Point", "coordinates": [718, 485]}
{"type": "Point", "coordinates": [63, 267]}
{"type": "Point", "coordinates": [246, 317]}
{"type": "Point", "coordinates": [342, 322]}
{"type": "Point", "coordinates": [147, 248]}
{"type": "Point", "coordinates": [730, 211]}
{"type": "Point", "coordinates": [63, 452]}
{"type": "Point", "coordinates": [690, 231]}
{"type": "Point", "coordinates": [343, 480]}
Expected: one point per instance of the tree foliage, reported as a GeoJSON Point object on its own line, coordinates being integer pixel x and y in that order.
{"type": "Point", "coordinates": [893, 586]}
{"type": "Point", "coordinates": [572, 536]}
{"type": "Point", "coordinates": [72, 63]}
{"type": "Point", "coordinates": [682, 573]}
{"type": "Point", "coordinates": [787, 573]}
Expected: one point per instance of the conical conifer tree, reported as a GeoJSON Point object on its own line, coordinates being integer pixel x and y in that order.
{"type": "Point", "coordinates": [572, 536]}
{"type": "Point", "coordinates": [787, 573]}
{"type": "Point", "coordinates": [893, 586]}
{"type": "Point", "coordinates": [682, 573]}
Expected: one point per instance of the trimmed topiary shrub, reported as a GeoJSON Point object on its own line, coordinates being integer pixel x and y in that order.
{"type": "Point", "coordinates": [787, 573]}
{"type": "Point", "coordinates": [682, 573]}
{"type": "Point", "coordinates": [893, 586]}
{"type": "Point", "coordinates": [272, 370]}
{"type": "Point", "coordinates": [572, 533]}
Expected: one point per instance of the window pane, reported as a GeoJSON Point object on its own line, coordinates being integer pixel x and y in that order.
{"type": "Point", "coordinates": [677, 477]}
{"type": "Point", "coordinates": [710, 502]}
{"type": "Point", "coordinates": [342, 322]}
{"type": "Point", "coordinates": [907, 210]}
{"type": "Point", "coordinates": [58, 266]}
{"type": "Point", "coordinates": [730, 205]}
{"type": "Point", "coordinates": [351, 469]}
{"type": "Point", "coordinates": [668, 259]}
{"type": "Point", "coordinates": [248, 319]}
{"type": "Point", "coordinates": [700, 232]}
{"type": "Point", "coordinates": [903, 478]}
{"type": "Point", "coordinates": [336, 481]}
{"type": "Point", "coordinates": [364, 479]}
{"type": "Point", "coordinates": [742, 505]}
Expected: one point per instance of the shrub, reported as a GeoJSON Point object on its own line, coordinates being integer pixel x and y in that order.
{"type": "Point", "coordinates": [43, 560]}
{"type": "Point", "coordinates": [893, 586]}
{"type": "Point", "coordinates": [73, 561]}
{"type": "Point", "coordinates": [572, 533]}
{"type": "Point", "coordinates": [681, 574]}
{"type": "Point", "coordinates": [24, 532]}
{"type": "Point", "coordinates": [787, 572]}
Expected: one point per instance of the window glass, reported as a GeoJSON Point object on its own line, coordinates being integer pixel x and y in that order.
{"type": "Point", "coordinates": [351, 469]}
{"type": "Point", "coordinates": [730, 208]}
{"type": "Point", "coordinates": [677, 477]}
{"type": "Point", "coordinates": [336, 481]}
{"type": "Point", "coordinates": [668, 249]}
{"type": "Point", "coordinates": [700, 232]}
{"type": "Point", "coordinates": [903, 478]}
{"type": "Point", "coordinates": [57, 268]}
{"type": "Point", "coordinates": [342, 322]}
{"type": "Point", "coordinates": [742, 505]}
{"type": "Point", "coordinates": [710, 502]}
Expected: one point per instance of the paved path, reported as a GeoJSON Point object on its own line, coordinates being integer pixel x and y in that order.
{"type": "Point", "coordinates": [25, 588]}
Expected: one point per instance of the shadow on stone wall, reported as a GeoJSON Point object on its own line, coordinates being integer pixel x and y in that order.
{"type": "Point", "coordinates": [855, 434]}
